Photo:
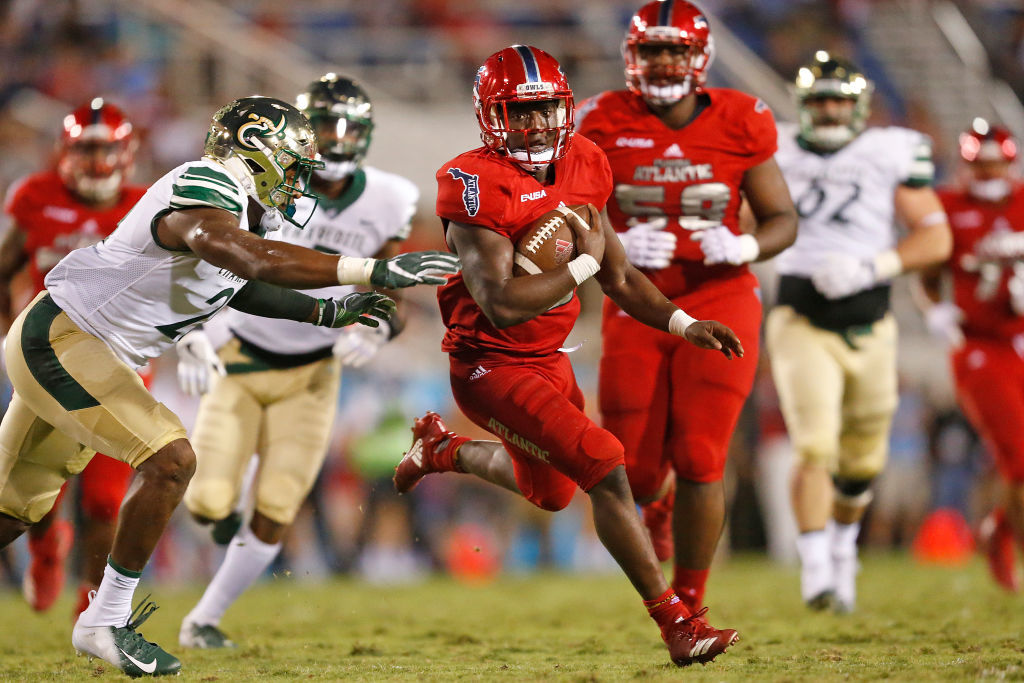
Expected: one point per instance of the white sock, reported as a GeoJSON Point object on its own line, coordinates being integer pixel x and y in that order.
{"type": "Point", "coordinates": [245, 561]}
{"type": "Point", "coordinates": [844, 539]}
{"type": "Point", "coordinates": [816, 575]}
{"type": "Point", "coordinates": [112, 604]}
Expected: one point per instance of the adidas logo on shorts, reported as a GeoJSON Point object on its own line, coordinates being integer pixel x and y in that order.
{"type": "Point", "coordinates": [478, 373]}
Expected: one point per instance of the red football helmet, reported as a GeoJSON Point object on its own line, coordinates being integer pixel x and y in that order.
{"type": "Point", "coordinates": [523, 74]}
{"type": "Point", "coordinates": [668, 22]}
{"type": "Point", "coordinates": [97, 149]}
{"type": "Point", "coordinates": [986, 142]}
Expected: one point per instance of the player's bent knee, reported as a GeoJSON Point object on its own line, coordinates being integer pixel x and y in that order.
{"type": "Point", "coordinates": [701, 462]}
{"type": "Point", "coordinates": [852, 492]}
{"type": "Point", "coordinates": [602, 453]}
{"type": "Point", "coordinates": [175, 463]}
{"type": "Point", "coordinates": [553, 501]}
{"type": "Point", "coordinates": [821, 452]}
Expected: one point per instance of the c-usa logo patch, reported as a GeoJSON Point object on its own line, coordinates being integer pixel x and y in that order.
{"type": "Point", "coordinates": [470, 189]}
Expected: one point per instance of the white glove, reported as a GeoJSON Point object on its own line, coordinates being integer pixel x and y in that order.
{"type": "Point", "coordinates": [943, 322]}
{"type": "Point", "coordinates": [649, 245]}
{"type": "Point", "coordinates": [359, 343]}
{"type": "Point", "coordinates": [196, 358]}
{"type": "Point", "coordinates": [841, 274]}
{"type": "Point", "coordinates": [722, 245]}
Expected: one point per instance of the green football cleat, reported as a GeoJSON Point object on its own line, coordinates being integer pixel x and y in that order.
{"type": "Point", "coordinates": [124, 646]}
{"type": "Point", "coordinates": [203, 636]}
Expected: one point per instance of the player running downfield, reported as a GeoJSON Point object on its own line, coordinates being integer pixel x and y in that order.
{"type": "Point", "coordinates": [683, 158]}
{"type": "Point", "coordinates": [983, 325]}
{"type": "Point", "coordinates": [188, 248]}
{"type": "Point", "coordinates": [832, 337]}
{"type": "Point", "coordinates": [504, 332]}
{"type": "Point", "coordinates": [280, 386]}
{"type": "Point", "coordinates": [74, 205]}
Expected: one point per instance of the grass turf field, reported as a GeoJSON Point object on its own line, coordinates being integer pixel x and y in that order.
{"type": "Point", "coordinates": [914, 623]}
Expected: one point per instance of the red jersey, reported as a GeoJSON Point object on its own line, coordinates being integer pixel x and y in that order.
{"type": "Point", "coordinates": [690, 176]}
{"type": "Point", "coordinates": [491, 192]}
{"type": "Point", "coordinates": [983, 297]}
{"type": "Point", "coordinates": [55, 222]}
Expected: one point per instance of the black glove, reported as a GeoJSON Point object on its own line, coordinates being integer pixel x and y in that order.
{"type": "Point", "coordinates": [415, 268]}
{"type": "Point", "coordinates": [364, 309]}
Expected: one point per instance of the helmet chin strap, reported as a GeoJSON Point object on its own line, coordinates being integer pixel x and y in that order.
{"type": "Point", "coordinates": [992, 190]}
{"type": "Point", "coordinates": [533, 162]}
{"type": "Point", "coordinates": [831, 137]}
{"type": "Point", "coordinates": [334, 171]}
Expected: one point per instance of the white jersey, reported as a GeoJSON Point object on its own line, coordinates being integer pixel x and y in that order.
{"type": "Point", "coordinates": [376, 208]}
{"type": "Point", "coordinates": [845, 199]}
{"type": "Point", "coordinates": [138, 296]}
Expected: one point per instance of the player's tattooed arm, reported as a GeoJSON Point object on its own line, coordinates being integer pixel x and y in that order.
{"type": "Point", "coordinates": [487, 260]}
{"type": "Point", "coordinates": [767, 194]}
{"type": "Point", "coordinates": [12, 258]}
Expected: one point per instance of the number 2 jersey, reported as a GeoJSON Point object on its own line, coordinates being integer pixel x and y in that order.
{"type": "Point", "coordinates": [137, 295]}
{"type": "Point", "coordinates": [690, 176]}
{"type": "Point", "coordinates": [487, 191]}
{"type": "Point", "coordinates": [55, 222]}
{"type": "Point", "coordinates": [982, 293]}
{"type": "Point", "coordinates": [845, 199]}
{"type": "Point", "coordinates": [377, 207]}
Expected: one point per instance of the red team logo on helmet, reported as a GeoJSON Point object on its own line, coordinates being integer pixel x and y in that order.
{"type": "Point", "coordinates": [97, 150]}
{"type": "Point", "coordinates": [667, 22]}
{"type": "Point", "coordinates": [517, 74]}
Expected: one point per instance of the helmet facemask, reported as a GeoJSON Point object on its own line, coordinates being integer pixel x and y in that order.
{"type": "Point", "coordinates": [664, 84]}
{"type": "Point", "coordinates": [832, 78]}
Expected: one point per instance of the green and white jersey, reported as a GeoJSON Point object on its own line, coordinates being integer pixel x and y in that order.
{"type": "Point", "coordinates": [133, 293]}
{"type": "Point", "coordinates": [845, 199]}
{"type": "Point", "coordinates": [376, 208]}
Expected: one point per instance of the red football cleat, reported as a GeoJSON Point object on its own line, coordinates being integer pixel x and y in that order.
{"type": "Point", "coordinates": [996, 539]}
{"type": "Point", "coordinates": [424, 456]}
{"type": "Point", "coordinates": [692, 639]}
{"type": "Point", "coordinates": [658, 520]}
{"type": "Point", "coordinates": [44, 579]}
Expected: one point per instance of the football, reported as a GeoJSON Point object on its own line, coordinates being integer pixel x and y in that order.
{"type": "Point", "coordinates": [550, 241]}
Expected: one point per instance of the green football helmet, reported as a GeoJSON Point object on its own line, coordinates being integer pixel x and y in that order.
{"type": "Point", "coordinates": [269, 147]}
{"type": "Point", "coordinates": [828, 76]}
{"type": "Point", "coordinates": [341, 115]}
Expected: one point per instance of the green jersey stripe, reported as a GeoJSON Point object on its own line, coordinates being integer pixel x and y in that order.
{"type": "Point", "coordinates": [190, 179]}
{"type": "Point", "coordinates": [211, 174]}
{"type": "Point", "coordinates": [189, 196]}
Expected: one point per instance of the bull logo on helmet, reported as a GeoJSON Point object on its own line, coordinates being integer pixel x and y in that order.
{"type": "Point", "coordinates": [260, 126]}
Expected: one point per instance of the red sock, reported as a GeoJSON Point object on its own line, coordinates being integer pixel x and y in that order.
{"type": "Point", "coordinates": [448, 457]}
{"type": "Point", "coordinates": [665, 609]}
{"type": "Point", "coordinates": [689, 586]}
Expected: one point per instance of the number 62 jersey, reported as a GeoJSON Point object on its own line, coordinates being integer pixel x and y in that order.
{"type": "Point", "coordinates": [845, 199]}
{"type": "Point", "coordinates": [684, 179]}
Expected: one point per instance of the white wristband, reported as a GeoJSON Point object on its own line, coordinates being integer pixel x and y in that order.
{"type": "Point", "coordinates": [887, 265]}
{"type": "Point", "coordinates": [582, 268]}
{"type": "Point", "coordinates": [354, 271]}
{"type": "Point", "coordinates": [679, 321]}
{"type": "Point", "coordinates": [749, 248]}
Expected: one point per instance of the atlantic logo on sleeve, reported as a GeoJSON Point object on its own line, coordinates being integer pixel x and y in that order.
{"type": "Point", "coordinates": [470, 189]}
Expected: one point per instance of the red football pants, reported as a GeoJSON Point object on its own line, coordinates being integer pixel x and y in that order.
{"type": "Point", "coordinates": [671, 404]}
{"type": "Point", "coordinates": [989, 379]}
{"type": "Point", "coordinates": [535, 407]}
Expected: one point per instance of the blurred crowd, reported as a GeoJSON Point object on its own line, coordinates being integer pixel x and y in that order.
{"type": "Point", "coordinates": [59, 54]}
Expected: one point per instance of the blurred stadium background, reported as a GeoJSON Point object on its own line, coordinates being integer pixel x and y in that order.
{"type": "Point", "coordinates": [170, 64]}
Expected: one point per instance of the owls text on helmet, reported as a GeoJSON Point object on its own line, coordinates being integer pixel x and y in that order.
{"type": "Point", "coordinates": [518, 76]}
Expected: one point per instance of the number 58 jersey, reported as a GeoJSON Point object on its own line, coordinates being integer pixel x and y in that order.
{"type": "Point", "coordinates": [845, 199]}
{"type": "Point", "coordinates": [683, 179]}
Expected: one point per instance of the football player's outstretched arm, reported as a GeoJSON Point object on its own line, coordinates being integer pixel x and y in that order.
{"type": "Point", "coordinates": [487, 260]}
{"type": "Point", "coordinates": [214, 236]}
{"type": "Point", "coordinates": [635, 294]}
{"type": "Point", "coordinates": [12, 258]}
{"type": "Point", "coordinates": [768, 196]}
{"type": "Point", "coordinates": [929, 240]}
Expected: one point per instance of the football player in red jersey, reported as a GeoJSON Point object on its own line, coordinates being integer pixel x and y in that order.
{"type": "Point", "coordinates": [52, 213]}
{"type": "Point", "coordinates": [983, 325]}
{"type": "Point", "coordinates": [504, 332]}
{"type": "Point", "coordinates": [683, 158]}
